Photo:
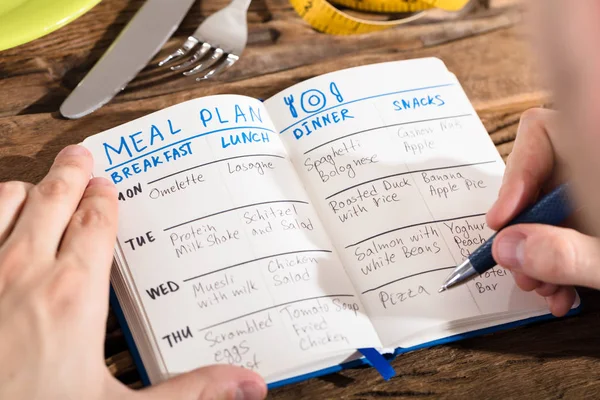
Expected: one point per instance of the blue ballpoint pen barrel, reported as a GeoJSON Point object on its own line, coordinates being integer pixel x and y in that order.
{"type": "Point", "coordinates": [552, 209]}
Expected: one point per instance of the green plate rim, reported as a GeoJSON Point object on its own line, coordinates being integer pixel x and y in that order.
{"type": "Point", "coordinates": [10, 41]}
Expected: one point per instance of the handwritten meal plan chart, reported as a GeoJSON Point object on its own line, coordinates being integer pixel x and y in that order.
{"type": "Point", "coordinates": [295, 231]}
{"type": "Point", "coordinates": [402, 172]}
{"type": "Point", "coordinates": [221, 240]}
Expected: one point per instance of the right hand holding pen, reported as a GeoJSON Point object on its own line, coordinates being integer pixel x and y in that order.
{"type": "Point", "coordinates": [547, 259]}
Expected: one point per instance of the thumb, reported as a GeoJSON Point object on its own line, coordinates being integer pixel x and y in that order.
{"type": "Point", "coordinates": [550, 254]}
{"type": "Point", "coordinates": [217, 382]}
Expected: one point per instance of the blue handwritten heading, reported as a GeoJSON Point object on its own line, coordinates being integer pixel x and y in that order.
{"type": "Point", "coordinates": [212, 116]}
{"type": "Point", "coordinates": [342, 102]}
{"type": "Point", "coordinates": [172, 154]}
{"type": "Point", "coordinates": [412, 103]}
{"type": "Point", "coordinates": [244, 138]}
{"type": "Point", "coordinates": [134, 144]}
{"type": "Point", "coordinates": [166, 141]}
{"type": "Point", "coordinates": [313, 102]}
{"type": "Point", "coordinates": [321, 121]}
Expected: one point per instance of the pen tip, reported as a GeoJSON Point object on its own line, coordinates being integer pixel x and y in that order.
{"type": "Point", "coordinates": [442, 289]}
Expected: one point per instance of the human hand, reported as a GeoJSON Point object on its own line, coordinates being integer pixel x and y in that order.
{"type": "Point", "coordinates": [56, 246]}
{"type": "Point", "coordinates": [543, 258]}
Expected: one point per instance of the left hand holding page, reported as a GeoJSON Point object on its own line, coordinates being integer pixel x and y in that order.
{"type": "Point", "coordinates": [56, 246]}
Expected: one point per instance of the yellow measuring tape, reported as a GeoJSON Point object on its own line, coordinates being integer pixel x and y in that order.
{"type": "Point", "coordinates": [326, 18]}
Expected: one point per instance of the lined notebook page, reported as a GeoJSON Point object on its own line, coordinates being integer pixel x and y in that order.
{"type": "Point", "coordinates": [402, 172]}
{"type": "Point", "coordinates": [228, 260]}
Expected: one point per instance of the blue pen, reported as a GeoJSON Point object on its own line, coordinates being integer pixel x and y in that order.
{"type": "Point", "coordinates": [552, 209]}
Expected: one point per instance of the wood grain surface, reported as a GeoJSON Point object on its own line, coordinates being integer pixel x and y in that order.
{"type": "Point", "coordinates": [488, 52]}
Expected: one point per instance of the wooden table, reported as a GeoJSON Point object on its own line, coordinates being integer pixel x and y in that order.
{"type": "Point", "coordinates": [487, 52]}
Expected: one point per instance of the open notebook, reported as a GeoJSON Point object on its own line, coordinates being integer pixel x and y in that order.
{"type": "Point", "coordinates": [283, 236]}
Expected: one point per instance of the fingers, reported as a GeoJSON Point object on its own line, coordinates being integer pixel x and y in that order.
{"type": "Point", "coordinates": [528, 284]}
{"type": "Point", "coordinates": [90, 236]}
{"type": "Point", "coordinates": [547, 289]}
{"type": "Point", "coordinates": [550, 254]}
{"type": "Point", "coordinates": [219, 382]}
{"type": "Point", "coordinates": [12, 198]}
{"type": "Point", "coordinates": [51, 203]}
{"type": "Point", "coordinates": [529, 167]}
{"type": "Point", "coordinates": [525, 282]}
{"type": "Point", "coordinates": [561, 302]}
{"type": "Point", "coordinates": [560, 299]}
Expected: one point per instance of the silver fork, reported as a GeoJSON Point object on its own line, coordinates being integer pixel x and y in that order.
{"type": "Point", "coordinates": [223, 33]}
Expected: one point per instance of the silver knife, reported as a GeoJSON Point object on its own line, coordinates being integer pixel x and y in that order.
{"type": "Point", "coordinates": [133, 49]}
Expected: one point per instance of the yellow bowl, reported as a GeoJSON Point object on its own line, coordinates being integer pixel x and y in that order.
{"type": "Point", "coordinates": [22, 21]}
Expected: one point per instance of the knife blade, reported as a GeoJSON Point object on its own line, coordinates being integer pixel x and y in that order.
{"type": "Point", "coordinates": [131, 51]}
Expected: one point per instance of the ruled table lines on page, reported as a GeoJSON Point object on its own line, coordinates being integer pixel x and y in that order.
{"type": "Point", "coordinates": [402, 179]}
{"type": "Point", "coordinates": [230, 260]}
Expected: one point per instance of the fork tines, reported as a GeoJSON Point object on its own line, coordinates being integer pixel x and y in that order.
{"type": "Point", "coordinates": [216, 44]}
{"type": "Point", "coordinates": [198, 61]}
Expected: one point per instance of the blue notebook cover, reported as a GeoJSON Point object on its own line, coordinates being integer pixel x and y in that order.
{"type": "Point", "coordinates": [337, 368]}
